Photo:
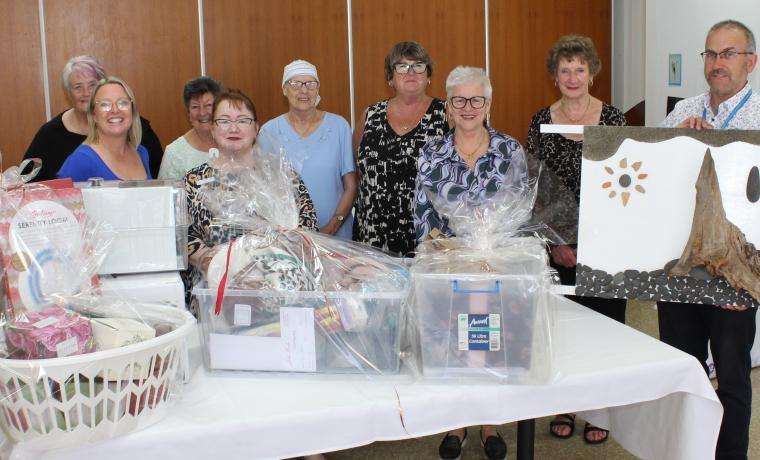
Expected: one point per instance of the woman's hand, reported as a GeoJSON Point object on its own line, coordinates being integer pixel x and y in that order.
{"type": "Point", "coordinates": [332, 227]}
{"type": "Point", "coordinates": [564, 255]}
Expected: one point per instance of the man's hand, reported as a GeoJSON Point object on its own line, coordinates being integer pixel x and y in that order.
{"type": "Point", "coordinates": [697, 123]}
{"type": "Point", "coordinates": [734, 307]}
{"type": "Point", "coordinates": [564, 255]}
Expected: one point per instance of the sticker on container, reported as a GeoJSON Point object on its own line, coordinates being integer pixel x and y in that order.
{"type": "Point", "coordinates": [67, 347]}
{"type": "Point", "coordinates": [242, 315]}
{"type": "Point", "coordinates": [479, 332]}
{"type": "Point", "coordinates": [49, 321]}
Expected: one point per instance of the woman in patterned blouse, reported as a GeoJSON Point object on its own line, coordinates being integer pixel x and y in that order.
{"type": "Point", "coordinates": [470, 162]}
{"type": "Point", "coordinates": [234, 131]}
{"type": "Point", "coordinates": [573, 63]}
{"type": "Point", "coordinates": [393, 132]}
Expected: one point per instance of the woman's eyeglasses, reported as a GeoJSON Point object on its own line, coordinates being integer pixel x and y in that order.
{"type": "Point", "coordinates": [415, 67]}
{"type": "Point", "coordinates": [226, 123]}
{"type": "Point", "coordinates": [296, 85]}
{"type": "Point", "coordinates": [107, 106]}
{"type": "Point", "coordinates": [476, 102]}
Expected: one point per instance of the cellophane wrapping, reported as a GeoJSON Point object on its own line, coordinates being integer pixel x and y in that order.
{"type": "Point", "coordinates": [480, 301]}
{"type": "Point", "coordinates": [282, 298]}
{"type": "Point", "coordinates": [75, 367]}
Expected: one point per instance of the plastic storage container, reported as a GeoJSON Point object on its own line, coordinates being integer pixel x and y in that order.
{"type": "Point", "coordinates": [323, 332]}
{"type": "Point", "coordinates": [494, 324]}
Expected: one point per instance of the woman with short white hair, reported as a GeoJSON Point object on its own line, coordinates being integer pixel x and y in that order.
{"type": "Point", "coordinates": [471, 160]}
{"type": "Point", "coordinates": [60, 136]}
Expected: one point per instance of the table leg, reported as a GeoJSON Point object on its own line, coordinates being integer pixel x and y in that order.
{"type": "Point", "coordinates": [526, 432]}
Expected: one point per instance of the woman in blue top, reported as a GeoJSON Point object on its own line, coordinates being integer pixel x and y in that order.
{"type": "Point", "coordinates": [318, 144]}
{"type": "Point", "coordinates": [112, 149]}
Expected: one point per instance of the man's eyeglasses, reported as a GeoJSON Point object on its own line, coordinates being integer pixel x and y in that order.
{"type": "Point", "coordinates": [476, 102]}
{"type": "Point", "coordinates": [726, 55]}
{"type": "Point", "coordinates": [107, 106]}
{"type": "Point", "coordinates": [296, 85]}
{"type": "Point", "coordinates": [403, 67]}
{"type": "Point", "coordinates": [226, 123]}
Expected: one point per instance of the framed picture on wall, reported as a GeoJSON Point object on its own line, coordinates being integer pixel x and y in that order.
{"type": "Point", "coordinates": [670, 214]}
{"type": "Point", "coordinates": [674, 70]}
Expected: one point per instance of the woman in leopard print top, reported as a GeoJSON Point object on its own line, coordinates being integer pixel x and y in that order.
{"type": "Point", "coordinates": [234, 132]}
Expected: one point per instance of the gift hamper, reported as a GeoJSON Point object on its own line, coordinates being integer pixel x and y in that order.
{"type": "Point", "coordinates": [277, 297]}
{"type": "Point", "coordinates": [480, 300]}
{"type": "Point", "coordinates": [75, 367]}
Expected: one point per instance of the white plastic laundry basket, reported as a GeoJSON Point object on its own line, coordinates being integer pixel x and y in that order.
{"type": "Point", "coordinates": [64, 402]}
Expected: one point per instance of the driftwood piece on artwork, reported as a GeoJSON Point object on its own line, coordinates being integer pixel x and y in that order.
{"type": "Point", "coordinates": [715, 242]}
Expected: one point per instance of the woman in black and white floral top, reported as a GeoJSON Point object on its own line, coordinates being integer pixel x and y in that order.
{"type": "Point", "coordinates": [234, 132]}
{"type": "Point", "coordinates": [572, 63]}
{"type": "Point", "coordinates": [389, 142]}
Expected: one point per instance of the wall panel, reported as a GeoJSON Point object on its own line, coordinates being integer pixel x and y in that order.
{"type": "Point", "coordinates": [152, 45]}
{"type": "Point", "coordinates": [521, 33]}
{"type": "Point", "coordinates": [21, 86]}
{"type": "Point", "coordinates": [452, 31]}
{"type": "Point", "coordinates": [249, 43]}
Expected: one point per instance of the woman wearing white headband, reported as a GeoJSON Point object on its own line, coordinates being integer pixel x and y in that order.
{"type": "Point", "coordinates": [318, 144]}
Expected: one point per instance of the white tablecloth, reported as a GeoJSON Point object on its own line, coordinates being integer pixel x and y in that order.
{"type": "Point", "coordinates": [656, 400]}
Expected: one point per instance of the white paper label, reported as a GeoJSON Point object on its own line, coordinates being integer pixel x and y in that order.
{"type": "Point", "coordinates": [242, 315]}
{"type": "Point", "coordinates": [297, 326]}
{"type": "Point", "coordinates": [67, 347]}
{"type": "Point", "coordinates": [45, 322]}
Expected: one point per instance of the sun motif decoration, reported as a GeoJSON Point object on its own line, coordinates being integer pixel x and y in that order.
{"type": "Point", "coordinates": [625, 180]}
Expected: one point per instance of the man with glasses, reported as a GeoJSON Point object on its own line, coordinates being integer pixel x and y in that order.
{"type": "Point", "coordinates": [729, 57]}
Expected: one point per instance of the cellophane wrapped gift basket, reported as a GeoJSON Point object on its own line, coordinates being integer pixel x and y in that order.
{"type": "Point", "coordinates": [480, 301]}
{"type": "Point", "coordinates": [75, 367]}
{"type": "Point", "coordinates": [280, 298]}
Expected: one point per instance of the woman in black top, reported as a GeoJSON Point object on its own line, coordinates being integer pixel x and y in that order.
{"type": "Point", "coordinates": [572, 63]}
{"type": "Point", "coordinates": [60, 136]}
{"type": "Point", "coordinates": [389, 142]}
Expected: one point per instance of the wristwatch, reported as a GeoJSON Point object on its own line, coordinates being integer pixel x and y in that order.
{"type": "Point", "coordinates": [340, 218]}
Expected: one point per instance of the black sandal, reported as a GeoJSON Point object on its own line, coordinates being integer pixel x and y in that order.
{"type": "Point", "coordinates": [451, 446]}
{"type": "Point", "coordinates": [569, 421]}
{"type": "Point", "coordinates": [589, 428]}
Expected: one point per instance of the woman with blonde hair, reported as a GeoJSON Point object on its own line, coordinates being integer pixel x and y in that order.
{"type": "Point", "coordinates": [112, 149]}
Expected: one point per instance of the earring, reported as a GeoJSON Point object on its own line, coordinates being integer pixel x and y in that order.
{"type": "Point", "coordinates": [488, 119]}
{"type": "Point", "coordinates": [428, 81]}
{"type": "Point", "coordinates": [390, 84]}
{"type": "Point", "coordinates": [555, 83]}
{"type": "Point", "coordinates": [591, 82]}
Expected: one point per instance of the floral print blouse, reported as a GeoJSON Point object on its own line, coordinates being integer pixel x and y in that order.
{"type": "Point", "coordinates": [444, 173]}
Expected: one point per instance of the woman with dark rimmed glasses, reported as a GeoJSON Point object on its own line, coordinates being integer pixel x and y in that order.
{"type": "Point", "coordinates": [389, 140]}
{"type": "Point", "coordinates": [471, 160]}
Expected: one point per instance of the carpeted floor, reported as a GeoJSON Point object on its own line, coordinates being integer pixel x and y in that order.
{"type": "Point", "coordinates": [641, 316]}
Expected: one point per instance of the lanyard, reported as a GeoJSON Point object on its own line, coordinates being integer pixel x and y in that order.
{"type": "Point", "coordinates": [733, 112]}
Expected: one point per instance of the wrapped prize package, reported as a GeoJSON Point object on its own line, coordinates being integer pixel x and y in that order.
{"type": "Point", "coordinates": [75, 367]}
{"type": "Point", "coordinates": [281, 298]}
{"type": "Point", "coordinates": [479, 302]}
{"type": "Point", "coordinates": [149, 218]}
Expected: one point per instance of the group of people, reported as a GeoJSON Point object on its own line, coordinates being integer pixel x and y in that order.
{"type": "Point", "coordinates": [374, 186]}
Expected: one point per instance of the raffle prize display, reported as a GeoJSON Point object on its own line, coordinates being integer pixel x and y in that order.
{"type": "Point", "coordinates": [480, 301]}
{"type": "Point", "coordinates": [75, 367]}
{"type": "Point", "coordinates": [280, 298]}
